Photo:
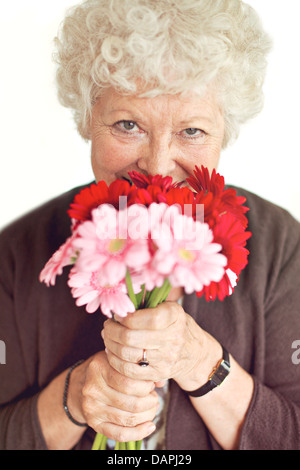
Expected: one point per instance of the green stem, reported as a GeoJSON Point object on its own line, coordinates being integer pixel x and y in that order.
{"type": "Point", "coordinates": [97, 441]}
{"type": "Point", "coordinates": [158, 295]}
{"type": "Point", "coordinates": [131, 294]}
{"type": "Point", "coordinates": [131, 445]}
{"type": "Point", "coordinates": [150, 295]}
{"type": "Point", "coordinates": [165, 291]}
{"type": "Point", "coordinates": [103, 443]}
{"type": "Point", "coordinates": [140, 297]}
{"type": "Point", "coordinates": [138, 445]}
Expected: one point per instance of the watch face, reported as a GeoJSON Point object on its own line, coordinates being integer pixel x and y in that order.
{"type": "Point", "coordinates": [221, 373]}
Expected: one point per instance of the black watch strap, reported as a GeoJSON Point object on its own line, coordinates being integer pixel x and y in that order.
{"type": "Point", "coordinates": [217, 376]}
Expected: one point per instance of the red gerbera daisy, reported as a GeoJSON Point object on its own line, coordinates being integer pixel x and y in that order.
{"type": "Point", "coordinates": [97, 193]}
{"type": "Point", "coordinates": [210, 191]}
{"type": "Point", "coordinates": [146, 196]}
{"type": "Point", "coordinates": [88, 199]}
{"type": "Point", "coordinates": [117, 189]}
{"type": "Point", "coordinates": [203, 181]}
{"type": "Point", "coordinates": [233, 204]}
{"type": "Point", "coordinates": [220, 290]}
{"type": "Point", "coordinates": [143, 181]}
{"type": "Point", "coordinates": [230, 233]}
{"type": "Point", "coordinates": [183, 197]}
{"type": "Point", "coordinates": [158, 189]}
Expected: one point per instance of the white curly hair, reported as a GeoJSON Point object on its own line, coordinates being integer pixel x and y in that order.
{"type": "Point", "coordinates": [171, 46]}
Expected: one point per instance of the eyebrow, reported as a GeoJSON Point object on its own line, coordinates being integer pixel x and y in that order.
{"type": "Point", "coordinates": [118, 110]}
{"type": "Point", "coordinates": [183, 122]}
{"type": "Point", "coordinates": [133, 115]}
{"type": "Point", "coordinates": [196, 118]}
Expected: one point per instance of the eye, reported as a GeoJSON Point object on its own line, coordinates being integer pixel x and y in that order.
{"type": "Point", "coordinates": [125, 126]}
{"type": "Point", "coordinates": [193, 132]}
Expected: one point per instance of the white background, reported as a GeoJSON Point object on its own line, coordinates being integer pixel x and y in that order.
{"type": "Point", "coordinates": [41, 154]}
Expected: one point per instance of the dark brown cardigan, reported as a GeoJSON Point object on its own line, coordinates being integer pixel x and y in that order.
{"type": "Point", "coordinates": [45, 333]}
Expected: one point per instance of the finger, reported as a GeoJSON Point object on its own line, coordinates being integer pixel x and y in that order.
{"type": "Point", "coordinates": [113, 379]}
{"type": "Point", "coordinates": [134, 371]}
{"type": "Point", "coordinates": [129, 354]}
{"type": "Point", "coordinates": [156, 318]}
{"type": "Point", "coordinates": [126, 353]}
{"type": "Point", "coordinates": [142, 339]}
{"type": "Point", "coordinates": [130, 403]}
{"type": "Point", "coordinates": [122, 434]}
{"type": "Point", "coordinates": [110, 414]}
{"type": "Point", "coordinates": [160, 383]}
{"type": "Point", "coordinates": [100, 376]}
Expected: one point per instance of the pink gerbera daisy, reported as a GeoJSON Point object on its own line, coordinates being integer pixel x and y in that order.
{"type": "Point", "coordinates": [103, 247]}
{"type": "Point", "coordinates": [88, 289]}
{"type": "Point", "coordinates": [64, 256]}
{"type": "Point", "coordinates": [183, 251]}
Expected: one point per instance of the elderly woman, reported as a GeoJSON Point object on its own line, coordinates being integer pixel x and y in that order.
{"type": "Point", "coordinates": [158, 86]}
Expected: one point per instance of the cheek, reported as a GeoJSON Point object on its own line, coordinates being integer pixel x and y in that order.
{"type": "Point", "coordinates": [207, 155]}
{"type": "Point", "coordinates": [210, 155]}
{"type": "Point", "coordinates": [109, 157]}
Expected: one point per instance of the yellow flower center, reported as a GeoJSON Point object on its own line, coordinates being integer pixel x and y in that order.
{"type": "Point", "coordinates": [116, 245]}
{"type": "Point", "coordinates": [186, 254]}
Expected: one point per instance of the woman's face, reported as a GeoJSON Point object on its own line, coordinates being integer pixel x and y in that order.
{"type": "Point", "coordinates": [166, 135]}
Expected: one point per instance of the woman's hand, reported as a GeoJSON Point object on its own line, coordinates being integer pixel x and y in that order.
{"type": "Point", "coordinates": [114, 405]}
{"type": "Point", "coordinates": [117, 406]}
{"type": "Point", "coordinates": [176, 347]}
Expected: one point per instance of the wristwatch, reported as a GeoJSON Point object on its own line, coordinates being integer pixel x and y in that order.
{"type": "Point", "coordinates": [217, 376]}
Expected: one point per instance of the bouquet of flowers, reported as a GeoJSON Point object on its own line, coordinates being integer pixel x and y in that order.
{"type": "Point", "coordinates": [134, 240]}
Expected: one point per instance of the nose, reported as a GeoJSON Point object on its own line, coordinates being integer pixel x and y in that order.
{"type": "Point", "coordinates": [157, 157]}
